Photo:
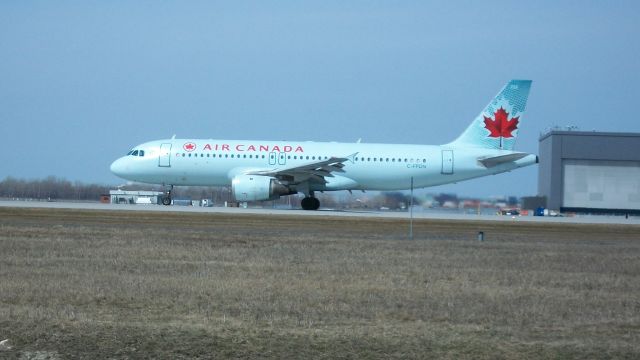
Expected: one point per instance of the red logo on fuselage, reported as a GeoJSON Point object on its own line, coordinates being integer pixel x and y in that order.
{"type": "Point", "coordinates": [189, 146]}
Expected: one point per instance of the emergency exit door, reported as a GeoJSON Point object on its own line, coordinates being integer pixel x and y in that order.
{"type": "Point", "coordinates": [277, 158]}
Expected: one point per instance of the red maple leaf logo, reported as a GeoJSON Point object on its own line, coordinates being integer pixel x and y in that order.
{"type": "Point", "coordinates": [502, 126]}
{"type": "Point", "coordinates": [189, 146]}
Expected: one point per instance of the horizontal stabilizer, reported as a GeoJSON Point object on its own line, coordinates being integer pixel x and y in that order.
{"type": "Point", "coordinates": [497, 160]}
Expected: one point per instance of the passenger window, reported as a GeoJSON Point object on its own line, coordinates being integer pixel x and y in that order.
{"type": "Point", "coordinates": [226, 155]}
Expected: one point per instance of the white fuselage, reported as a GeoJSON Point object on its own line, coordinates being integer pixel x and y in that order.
{"type": "Point", "coordinates": [369, 167]}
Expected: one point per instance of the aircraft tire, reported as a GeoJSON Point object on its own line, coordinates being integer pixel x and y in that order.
{"type": "Point", "coordinates": [166, 200]}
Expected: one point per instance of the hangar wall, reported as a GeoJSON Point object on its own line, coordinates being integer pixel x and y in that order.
{"type": "Point", "coordinates": [590, 171]}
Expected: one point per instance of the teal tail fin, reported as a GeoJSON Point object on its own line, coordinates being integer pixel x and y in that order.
{"type": "Point", "coordinates": [498, 124]}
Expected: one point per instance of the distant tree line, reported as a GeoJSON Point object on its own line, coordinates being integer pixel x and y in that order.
{"type": "Point", "coordinates": [50, 188]}
{"type": "Point", "coordinates": [53, 188]}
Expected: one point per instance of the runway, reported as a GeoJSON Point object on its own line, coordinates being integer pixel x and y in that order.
{"type": "Point", "coordinates": [433, 214]}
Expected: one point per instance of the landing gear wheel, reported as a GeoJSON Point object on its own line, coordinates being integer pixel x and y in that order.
{"type": "Point", "coordinates": [310, 203]}
{"type": "Point", "coordinates": [166, 199]}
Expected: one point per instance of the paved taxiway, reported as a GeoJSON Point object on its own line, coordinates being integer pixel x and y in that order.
{"type": "Point", "coordinates": [585, 219]}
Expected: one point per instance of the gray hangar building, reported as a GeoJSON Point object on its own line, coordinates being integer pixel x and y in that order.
{"type": "Point", "coordinates": [594, 172]}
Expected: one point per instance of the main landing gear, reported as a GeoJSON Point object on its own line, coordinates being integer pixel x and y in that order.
{"type": "Point", "coordinates": [166, 197]}
{"type": "Point", "coordinates": [310, 203]}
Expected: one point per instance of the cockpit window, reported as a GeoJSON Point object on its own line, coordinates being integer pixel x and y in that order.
{"type": "Point", "coordinates": [135, 152]}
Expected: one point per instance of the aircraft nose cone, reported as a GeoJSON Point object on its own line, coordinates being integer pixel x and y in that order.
{"type": "Point", "coordinates": [119, 167]}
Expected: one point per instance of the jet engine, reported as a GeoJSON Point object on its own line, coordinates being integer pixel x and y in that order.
{"type": "Point", "coordinates": [258, 187]}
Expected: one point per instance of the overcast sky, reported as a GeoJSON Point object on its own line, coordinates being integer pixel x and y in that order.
{"type": "Point", "coordinates": [81, 82]}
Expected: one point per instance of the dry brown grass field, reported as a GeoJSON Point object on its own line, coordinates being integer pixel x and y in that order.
{"type": "Point", "coordinates": [121, 285]}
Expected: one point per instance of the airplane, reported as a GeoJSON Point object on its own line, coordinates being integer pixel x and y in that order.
{"type": "Point", "coordinates": [266, 170]}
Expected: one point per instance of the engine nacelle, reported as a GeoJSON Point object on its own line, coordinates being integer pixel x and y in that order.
{"type": "Point", "coordinates": [258, 187]}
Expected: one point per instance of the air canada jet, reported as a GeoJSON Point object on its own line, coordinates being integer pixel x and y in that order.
{"type": "Point", "coordinates": [266, 170]}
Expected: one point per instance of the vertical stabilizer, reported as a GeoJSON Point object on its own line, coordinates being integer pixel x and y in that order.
{"type": "Point", "coordinates": [498, 125]}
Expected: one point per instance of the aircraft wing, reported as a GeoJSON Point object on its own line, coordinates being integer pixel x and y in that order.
{"type": "Point", "coordinates": [314, 171]}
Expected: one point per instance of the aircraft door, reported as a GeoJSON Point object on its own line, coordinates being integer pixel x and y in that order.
{"type": "Point", "coordinates": [164, 159]}
{"type": "Point", "coordinates": [282, 158]}
{"type": "Point", "coordinates": [273, 158]}
{"type": "Point", "coordinates": [447, 162]}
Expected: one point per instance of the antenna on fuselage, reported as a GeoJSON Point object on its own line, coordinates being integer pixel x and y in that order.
{"type": "Point", "coordinates": [173, 137]}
